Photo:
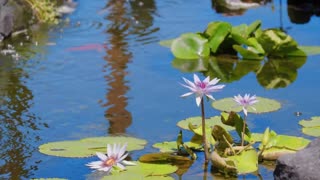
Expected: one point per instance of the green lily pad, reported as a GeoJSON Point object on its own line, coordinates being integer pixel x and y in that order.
{"type": "Point", "coordinates": [49, 179]}
{"type": "Point", "coordinates": [89, 146]}
{"type": "Point", "coordinates": [196, 122]}
{"type": "Point", "coordinates": [246, 162]}
{"type": "Point", "coordinates": [310, 50]}
{"type": "Point", "coordinates": [190, 46]}
{"type": "Point", "coordinates": [171, 146]}
{"type": "Point", "coordinates": [183, 163]}
{"type": "Point", "coordinates": [263, 106]}
{"type": "Point", "coordinates": [146, 171]}
{"type": "Point", "coordinates": [166, 43]}
{"type": "Point", "coordinates": [287, 142]}
{"type": "Point", "coordinates": [311, 127]}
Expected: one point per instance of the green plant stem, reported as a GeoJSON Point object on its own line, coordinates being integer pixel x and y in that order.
{"type": "Point", "coordinates": [204, 138]}
{"type": "Point", "coordinates": [243, 130]}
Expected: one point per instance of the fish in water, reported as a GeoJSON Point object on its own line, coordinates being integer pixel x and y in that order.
{"type": "Point", "coordinates": [89, 47]}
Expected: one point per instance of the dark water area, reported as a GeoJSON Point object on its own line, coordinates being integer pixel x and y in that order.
{"type": "Point", "coordinates": [102, 72]}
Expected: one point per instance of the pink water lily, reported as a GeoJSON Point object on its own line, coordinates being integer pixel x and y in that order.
{"type": "Point", "coordinates": [245, 101]}
{"type": "Point", "coordinates": [202, 88]}
{"type": "Point", "coordinates": [114, 158]}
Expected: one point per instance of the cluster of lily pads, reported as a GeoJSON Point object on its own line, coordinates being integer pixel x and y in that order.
{"type": "Point", "coordinates": [227, 155]}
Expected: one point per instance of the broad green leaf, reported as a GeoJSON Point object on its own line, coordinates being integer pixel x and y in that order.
{"type": "Point", "coordinates": [246, 162]}
{"type": "Point", "coordinates": [190, 65]}
{"type": "Point", "coordinates": [249, 53]}
{"type": "Point", "coordinates": [287, 142]}
{"type": "Point", "coordinates": [89, 146]}
{"type": "Point", "coordinates": [254, 137]}
{"type": "Point", "coordinates": [144, 171]}
{"type": "Point", "coordinates": [166, 43]}
{"type": "Point", "coordinates": [263, 106]}
{"type": "Point", "coordinates": [48, 179]}
{"type": "Point", "coordinates": [183, 163]}
{"type": "Point", "coordinates": [256, 45]}
{"type": "Point", "coordinates": [313, 122]}
{"type": "Point", "coordinates": [221, 136]}
{"type": "Point", "coordinates": [190, 46]}
{"type": "Point", "coordinates": [235, 120]}
{"type": "Point", "coordinates": [311, 127]}
{"type": "Point", "coordinates": [198, 131]}
{"type": "Point", "coordinates": [196, 121]}
{"type": "Point", "coordinates": [312, 131]}
{"type": "Point", "coordinates": [217, 32]}
{"type": "Point", "coordinates": [171, 146]}
{"type": "Point", "coordinates": [310, 50]}
{"type": "Point", "coordinates": [253, 27]}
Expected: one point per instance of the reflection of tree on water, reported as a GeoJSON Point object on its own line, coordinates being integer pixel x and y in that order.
{"type": "Point", "coordinates": [300, 12]}
{"type": "Point", "coordinates": [235, 7]}
{"type": "Point", "coordinates": [17, 124]}
{"type": "Point", "coordinates": [126, 18]}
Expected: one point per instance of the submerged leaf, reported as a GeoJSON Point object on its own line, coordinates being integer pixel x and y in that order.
{"type": "Point", "coordinates": [89, 146]}
{"type": "Point", "coordinates": [263, 106]}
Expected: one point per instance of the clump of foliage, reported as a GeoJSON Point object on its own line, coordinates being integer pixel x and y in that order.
{"type": "Point", "coordinates": [248, 41]}
{"type": "Point", "coordinates": [45, 10]}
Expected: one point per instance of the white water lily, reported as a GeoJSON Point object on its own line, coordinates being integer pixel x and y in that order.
{"type": "Point", "coordinates": [202, 88]}
{"type": "Point", "coordinates": [114, 158]}
{"type": "Point", "coordinates": [245, 101]}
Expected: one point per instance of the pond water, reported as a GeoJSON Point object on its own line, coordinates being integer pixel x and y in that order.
{"type": "Point", "coordinates": [103, 72]}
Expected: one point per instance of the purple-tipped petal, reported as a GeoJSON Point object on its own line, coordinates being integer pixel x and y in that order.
{"type": "Point", "coordinates": [101, 156]}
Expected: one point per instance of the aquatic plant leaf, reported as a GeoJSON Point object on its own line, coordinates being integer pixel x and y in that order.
{"type": "Point", "coordinates": [89, 146]}
{"type": "Point", "coordinates": [235, 120]}
{"type": "Point", "coordinates": [254, 137]}
{"type": "Point", "coordinates": [287, 142]}
{"type": "Point", "coordinates": [190, 65]}
{"type": "Point", "coordinates": [167, 43]}
{"type": "Point", "coordinates": [144, 171]}
{"type": "Point", "coordinates": [310, 50]}
{"type": "Point", "coordinates": [181, 162]}
{"type": "Point", "coordinates": [263, 106]}
{"type": "Point", "coordinates": [198, 131]}
{"type": "Point", "coordinates": [196, 122]}
{"type": "Point", "coordinates": [246, 161]}
{"type": "Point", "coordinates": [217, 32]}
{"type": "Point", "coordinates": [48, 179]}
{"type": "Point", "coordinates": [166, 146]}
{"type": "Point", "coordinates": [222, 136]}
{"type": "Point", "coordinates": [253, 27]}
{"type": "Point", "coordinates": [248, 53]}
{"type": "Point", "coordinates": [311, 127]}
{"type": "Point", "coordinates": [190, 46]}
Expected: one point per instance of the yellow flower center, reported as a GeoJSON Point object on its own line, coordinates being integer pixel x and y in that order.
{"type": "Point", "coordinates": [110, 162]}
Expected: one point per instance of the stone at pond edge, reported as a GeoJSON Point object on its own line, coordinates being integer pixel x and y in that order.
{"type": "Point", "coordinates": [302, 165]}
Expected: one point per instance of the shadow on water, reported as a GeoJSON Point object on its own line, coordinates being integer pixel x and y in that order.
{"type": "Point", "coordinates": [17, 123]}
{"type": "Point", "coordinates": [127, 19]}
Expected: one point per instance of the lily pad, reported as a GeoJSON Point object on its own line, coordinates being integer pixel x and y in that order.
{"type": "Point", "coordinates": [190, 46]}
{"type": "Point", "coordinates": [273, 153]}
{"type": "Point", "coordinates": [287, 142]}
{"type": "Point", "coordinates": [183, 163]}
{"type": "Point", "coordinates": [89, 146]}
{"type": "Point", "coordinates": [263, 106]}
{"type": "Point", "coordinates": [166, 43]}
{"type": "Point", "coordinates": [171, 146]}
{"type": "Point", "coordinates": [311, 127]}
{"type": "Point", "coordinates": [48, 179]}
{"type": "Point", "coordinates": [196, 122]}
{"type": "Point", "coordinates": [246, 162]}
{"type": "Point", "coordinates": [146, 171]}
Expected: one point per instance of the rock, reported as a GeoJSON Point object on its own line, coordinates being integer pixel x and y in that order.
{"type": "Point", "coordinates": [6, 20]}
{"type": "Point", "coordinates": [301, 165]}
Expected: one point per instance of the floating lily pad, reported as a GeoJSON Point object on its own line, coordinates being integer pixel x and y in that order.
{"type": "Point", "coordinates": [183, 163]}
{"type": "Point", "coordinates": [311, 127]}
{"type": "Point", "coordinates": [263, 106]}
{"type": "Point", "coordinates": [166, 43]}
{"type": "Point", "coordinates": [89, 146]}
{"type": "Point", "coordinates": [310, 50]}
{"type": "Point", "coordinates": [246, 162]}
{"type": "Point", "coordinates": [288, 142]}
{"type": "Point", "coordinates": [49, 179]}
{"type": "Point", "coordinates": [171, 146]}
{"type": "Point", "coordinates": [273, 153]}
{"type": "Point", "coordinates": [146, 171]}
{"type": "Point", "coordinates": [197, 121]}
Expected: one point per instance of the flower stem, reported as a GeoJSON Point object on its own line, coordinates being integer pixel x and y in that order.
{"type": "Point", "coordinates": [204, 138]}
{"type": "Point", "coordinates": [243, 130]}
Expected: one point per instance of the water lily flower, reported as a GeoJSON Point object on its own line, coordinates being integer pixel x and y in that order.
{"type": "Point", "coordinates": [114, 158]}
{"type": "Point", "coordinates": [201, 88]}
{"type": "Point", "coordinates": [245, 101]}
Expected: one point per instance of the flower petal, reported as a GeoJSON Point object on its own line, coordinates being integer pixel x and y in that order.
{"type": "Point", "coordinates": [198, 100]}
{"type": "Point", "coordinates": [128, 163]}
{"type": "Point", "coordinates": [102, 156]}
{"type": "Point", "coordinates": [186, 94]}
{"type": "Point", "coordinates": [196, 79]}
